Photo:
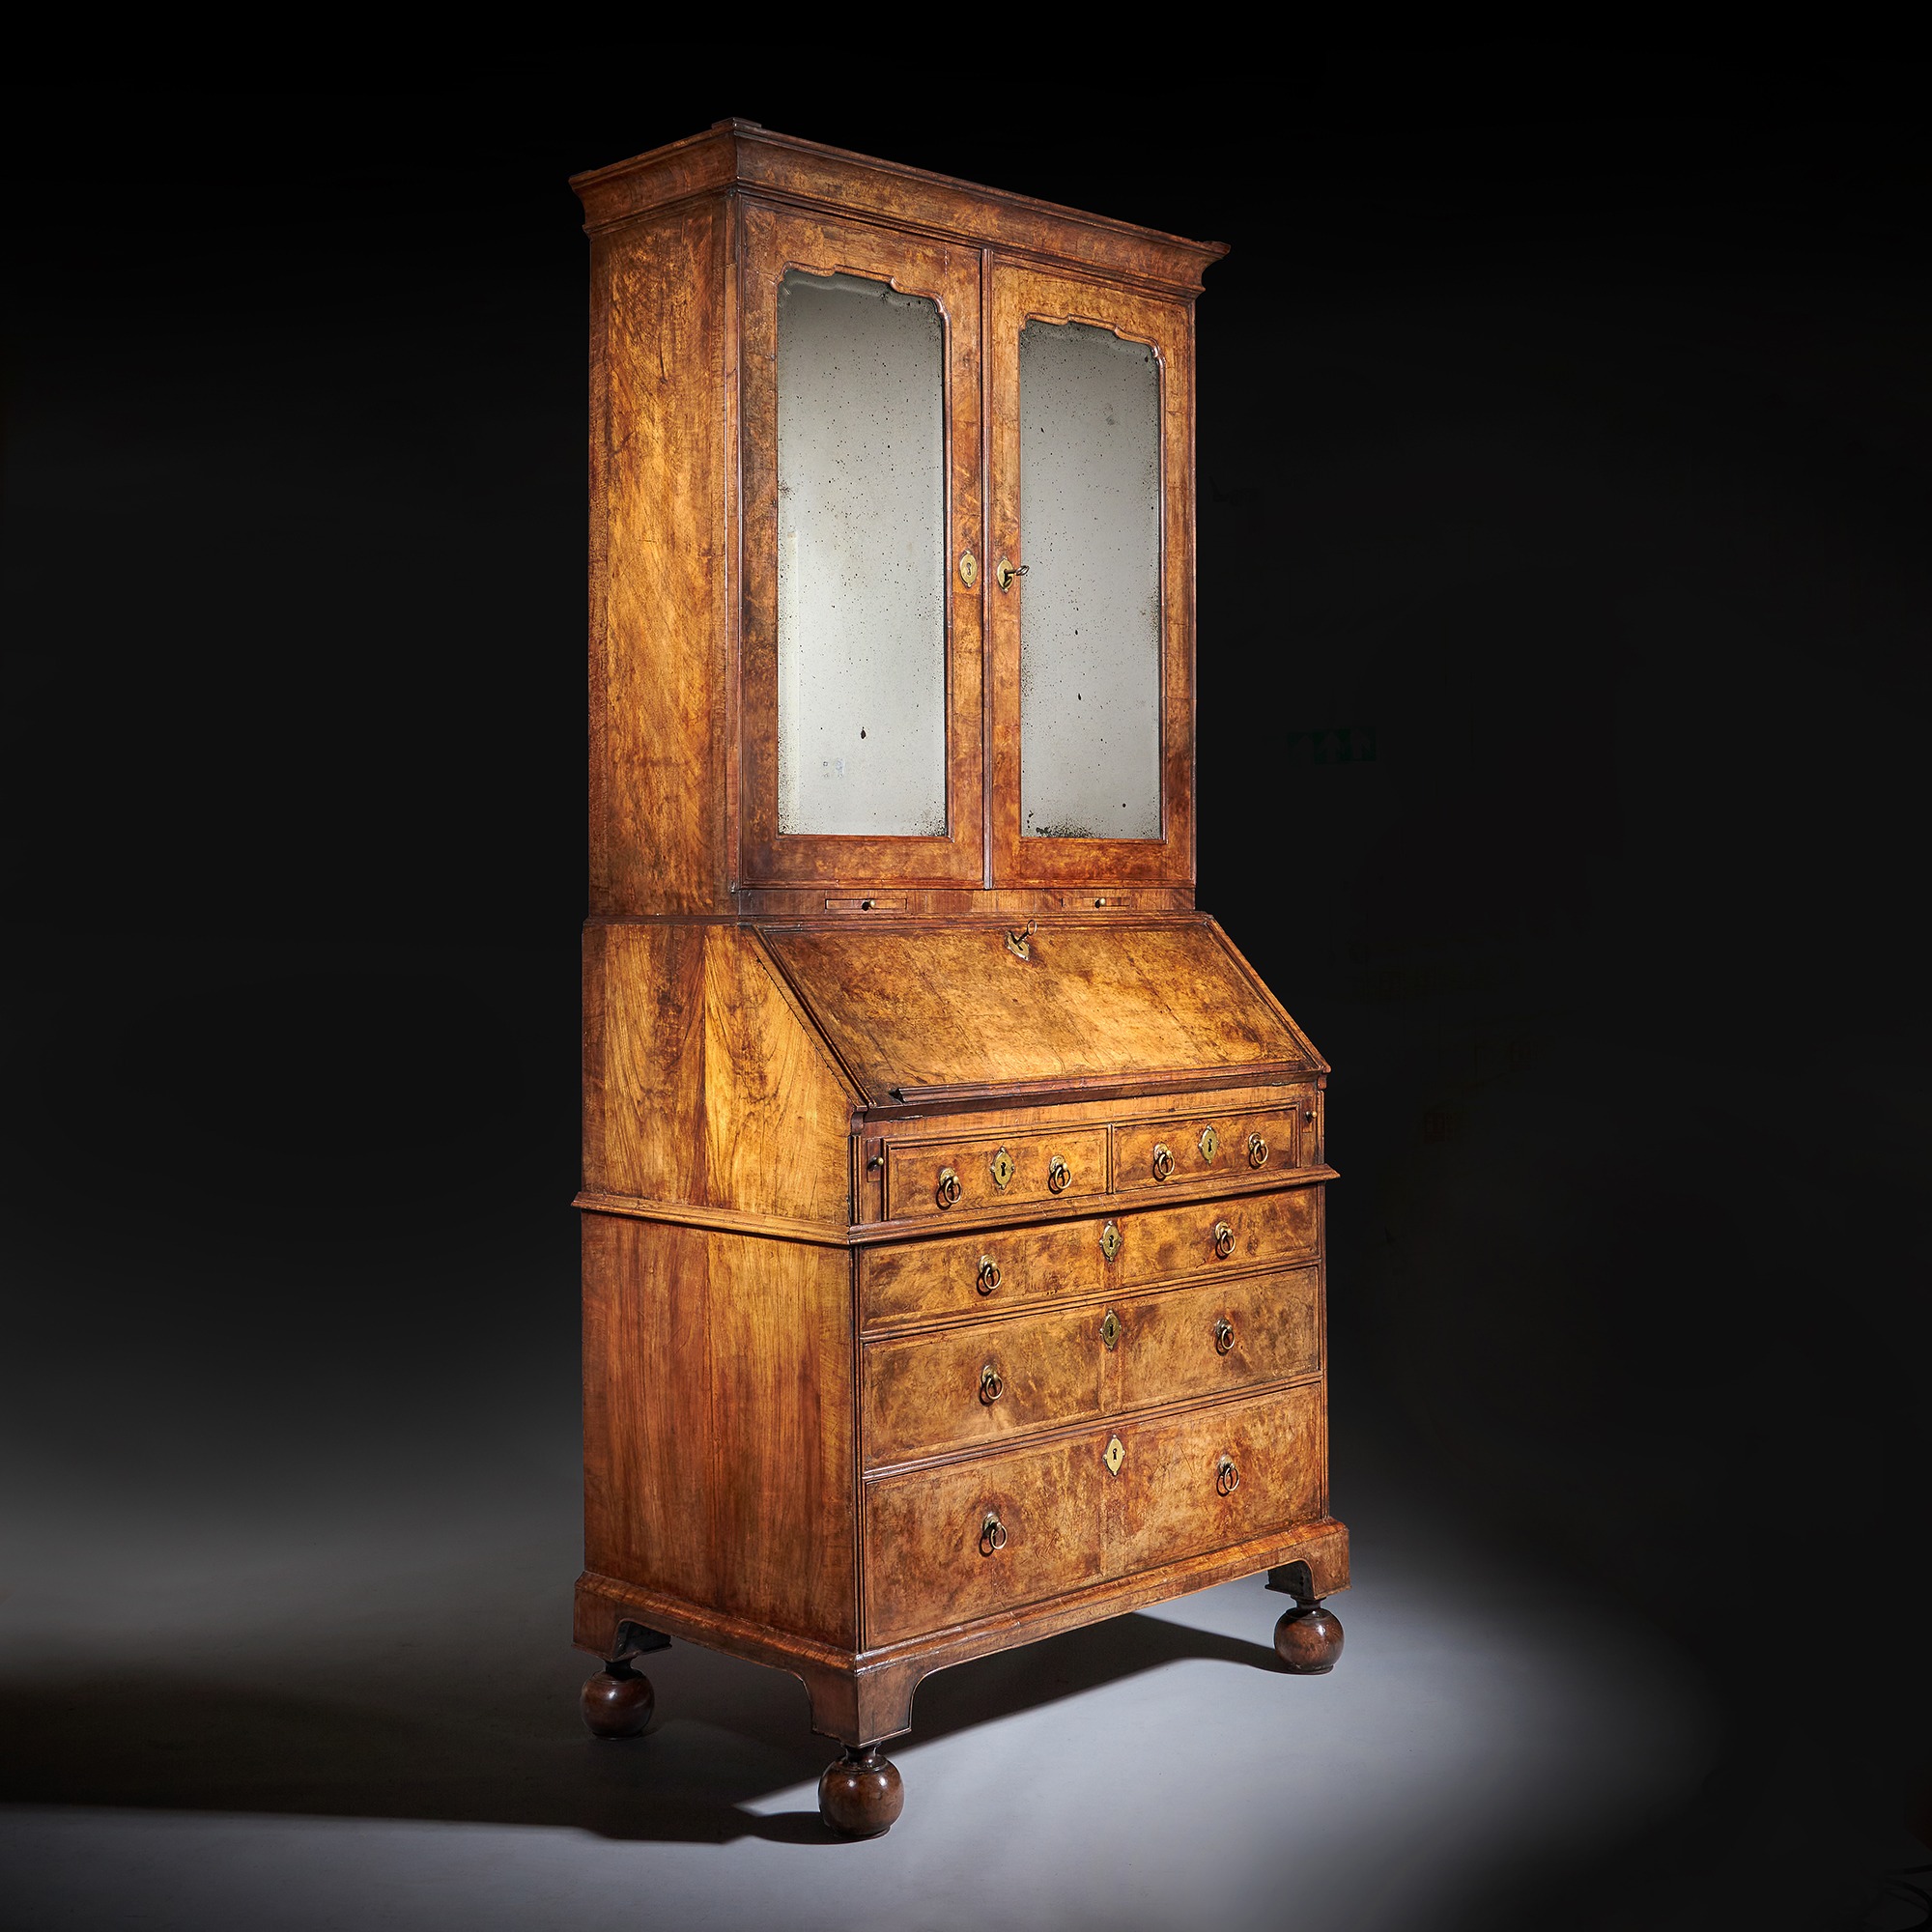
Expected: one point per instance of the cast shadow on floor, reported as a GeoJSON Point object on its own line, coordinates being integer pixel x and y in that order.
{"type": "Point", "coordinates": [479, 1741]}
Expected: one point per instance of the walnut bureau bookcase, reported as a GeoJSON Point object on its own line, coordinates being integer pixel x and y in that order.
{"type": "Point", "coordinates": [953, 1198]}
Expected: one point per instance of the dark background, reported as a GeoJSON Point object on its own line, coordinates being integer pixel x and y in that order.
{"type": "Point", "coordinates": [1564, 600]}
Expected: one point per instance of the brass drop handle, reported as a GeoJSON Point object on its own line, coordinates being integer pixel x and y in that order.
{"type": "Point", "coordinates": [1163, 1161]}
{"type": "Point", "coordinates": [990, 1274]}
{"type": "Point", "coordinates": [992, 1534]}
{"type": "Point", "coordinates": [948, 1190]}
{"type": "Point", "coordinates": [1227, 1478]}
{"type": "Point", "coordinates": [1057, 1176]}
{"type": "Point", "coordinates": [1224, 1240]}
{"type": "Point", "coordinates": [1224, 1336]}
{"type": "Point", "coordinates": [1258, 1151]}
{"type": "Point", "coordinates": [1005, 572]}
{"type": "Point", "coordinates": [992, 1386]}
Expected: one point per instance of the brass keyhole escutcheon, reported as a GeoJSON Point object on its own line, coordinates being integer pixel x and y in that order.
{"type": "Point", "coordinates": [1057, 1176]}
{"type": "Point", "coordinates": [990, 1274]}
{"type": "Point", "coordinates": [1258, 1151]}
{"type": "Point", "coordinates": [1001, 1165]}
{"type": "Point", "coordinates": [948, 1190]}
{"type": "Point", "coordinates": [1163, 1161]}
{"type": "Point", "coordinates": [1224, 1336]}
{"type": "Point", "coordinates": [992, 1534]}
{"type": "Point", "coordinates": [1110, 1328]}
{"type": "Point", "coordinates": [1110, 1240]}
{"type": "Point", "coordinates": [969, 569]}
{"type": "Point", "coordinates": [1224, 1240]}
{"type": "Point", "coordinates": [1018, 941]}
{"type": "Point", "coordinates": [1114, 1457]}
{"type": "Point", "coordinates": [1211, 1143]}
{"type": "Point", "coordinates": [1005, 573]}
{"type": "Point", "coordinates": [1227, 1478]}
{"type": "Point", "coordinates": [992, 1384]}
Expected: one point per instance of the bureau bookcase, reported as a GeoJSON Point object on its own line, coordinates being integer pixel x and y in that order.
{"type": "Point", "coordinates": [952, 1202]}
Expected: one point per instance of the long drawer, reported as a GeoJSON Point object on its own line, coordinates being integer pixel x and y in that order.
{"type": "Point", "coordinates": [944, 1546]}
{"type": "Point", "coordinates": [963, 1387]}
{"type": "Point", "coordinates": [1000, 1269]}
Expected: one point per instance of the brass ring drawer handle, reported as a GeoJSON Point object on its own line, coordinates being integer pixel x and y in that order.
{"type": "Point", "coordinates": [1057, 1176]}
{"type": "Point", "coordinates": [1224, 1240]}
{"type": "Point", "coordinates": [1258, 1151]}
{"type": "Point", "coordinates": [948, 1190]}
{"type": "Point", "coordinates": [992, 1534]}
{"type": "Point", "coordinates": [1227, 1478]}
{"type": "Point", "coordinates": [990, 1274]}
{"type": "Point", "coordinates": [1163, 1162]}
{"type": "Point", "coordinates": [1224, 1336]}
{"type": "Point", "coordinates": [991, 1385]}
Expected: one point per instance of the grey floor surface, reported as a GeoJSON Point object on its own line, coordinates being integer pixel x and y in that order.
{"type": "Point", "coordinates": [363, 1714]}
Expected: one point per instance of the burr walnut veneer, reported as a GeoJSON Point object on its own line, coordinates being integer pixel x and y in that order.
{"type": "Point", "coordinates": [953, 1188]}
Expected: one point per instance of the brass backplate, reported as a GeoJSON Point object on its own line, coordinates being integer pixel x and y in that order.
{"type": "Point", "coordinates": [1114, 1457]}
{"type": "Point", "coordinates": [1003, 1170]}
{"type": "Point", "coordinates": [1110, 1240]}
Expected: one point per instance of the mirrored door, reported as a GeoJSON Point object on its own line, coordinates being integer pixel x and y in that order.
{"type": "Point", "coordinates": [1092, 593]}
{"type": "Point", "coordinates": [862, 639]}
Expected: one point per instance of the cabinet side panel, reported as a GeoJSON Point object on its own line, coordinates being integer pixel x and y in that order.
{"type": "Point", "coordinates": [661, 578]}
{"type": "Point", "coordinates": [782, 1374]}
{"type": "Point", "coordinates": [707, 1088]}
{"type": "Point", "coordinates": [647, 1500]}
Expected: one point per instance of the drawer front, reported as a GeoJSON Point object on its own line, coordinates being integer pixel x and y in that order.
{"type": "Point", "coordinates": [1218, 1337]}
{"type": "Point", "coordinates": [1197, 1482]}
{"type": "Point", "coordinates": [949, 1277]}
{"type": "Point", "coordinates": [1261, 1229]}
{"type": "Point", "coordinates": [1150, 1154]}
{"type": "Point", "coordinates": [932, 1559]}
{"type": "Point", "coordinates": [926, 1179]}
{"type": "Point", "coordinates": [963, 1386]}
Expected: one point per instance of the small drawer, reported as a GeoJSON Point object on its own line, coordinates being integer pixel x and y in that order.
{"type": "Point", "coordinates": [945, 1546]}
{"type": "Point", "coordinates": [1156, 1243]}
{"type": "Point", "coordinates": [1221, 1146]}
{"type": "Point", "coordinates": [995, 1269]}
{"type": "Point", "coordinates": [927, 1179]}
{"type": "Point", "coordinates": [1217, 1337]}
{"type": "Point", "coordinates": [968, 1386]}
{"type": "Point", "coordinates": [1205, 1479]}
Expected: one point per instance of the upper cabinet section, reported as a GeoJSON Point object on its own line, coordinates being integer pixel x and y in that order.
{"type": "Point", "coordinates": [893, 547]}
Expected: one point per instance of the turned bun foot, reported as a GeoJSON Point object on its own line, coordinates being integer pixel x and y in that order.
{"type": "Point", "coordinates": [617, 1703]}
{"type": "Point", "coordinates": [860, 1793]}
{"type": "Point", "coordinates": [1308, 1639]}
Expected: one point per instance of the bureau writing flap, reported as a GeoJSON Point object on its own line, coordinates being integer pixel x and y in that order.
{"type": "Point", "coordinates": [918, 1012]}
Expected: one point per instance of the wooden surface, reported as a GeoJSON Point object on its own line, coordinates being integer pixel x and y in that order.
{"type": "Point", "coordinates": [741, 154]}
{"type": "Point", "coordinates": [927, 1394]}
{"type": "Point", "coordinates": [1267, 1229]}
{"type": "Point", "coordinates": [1134, 1146]}
{"type": "Point", "coordinates": [923, 1565]}
{"type": "Point", "coordinates": [719, 1394]}
{"type": "Point", "coordinates": [915, 1165]}
{"type": "Point", "coordinates": [929, 1009]}
{"type": "Point", "coordinates": [1166, 1501]}
{"type": "Point", "coordinates": [661, 587]}
{"type": "Point", "coordinates": [910, 1280]}
{"type": "Point", "coordinates": [701, 1082]}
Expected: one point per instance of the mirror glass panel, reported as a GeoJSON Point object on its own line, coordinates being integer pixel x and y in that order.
{"type": "Point", "coordinates": [862, 559]}
{"type": "Point", "coordinates": [1089, 615]}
